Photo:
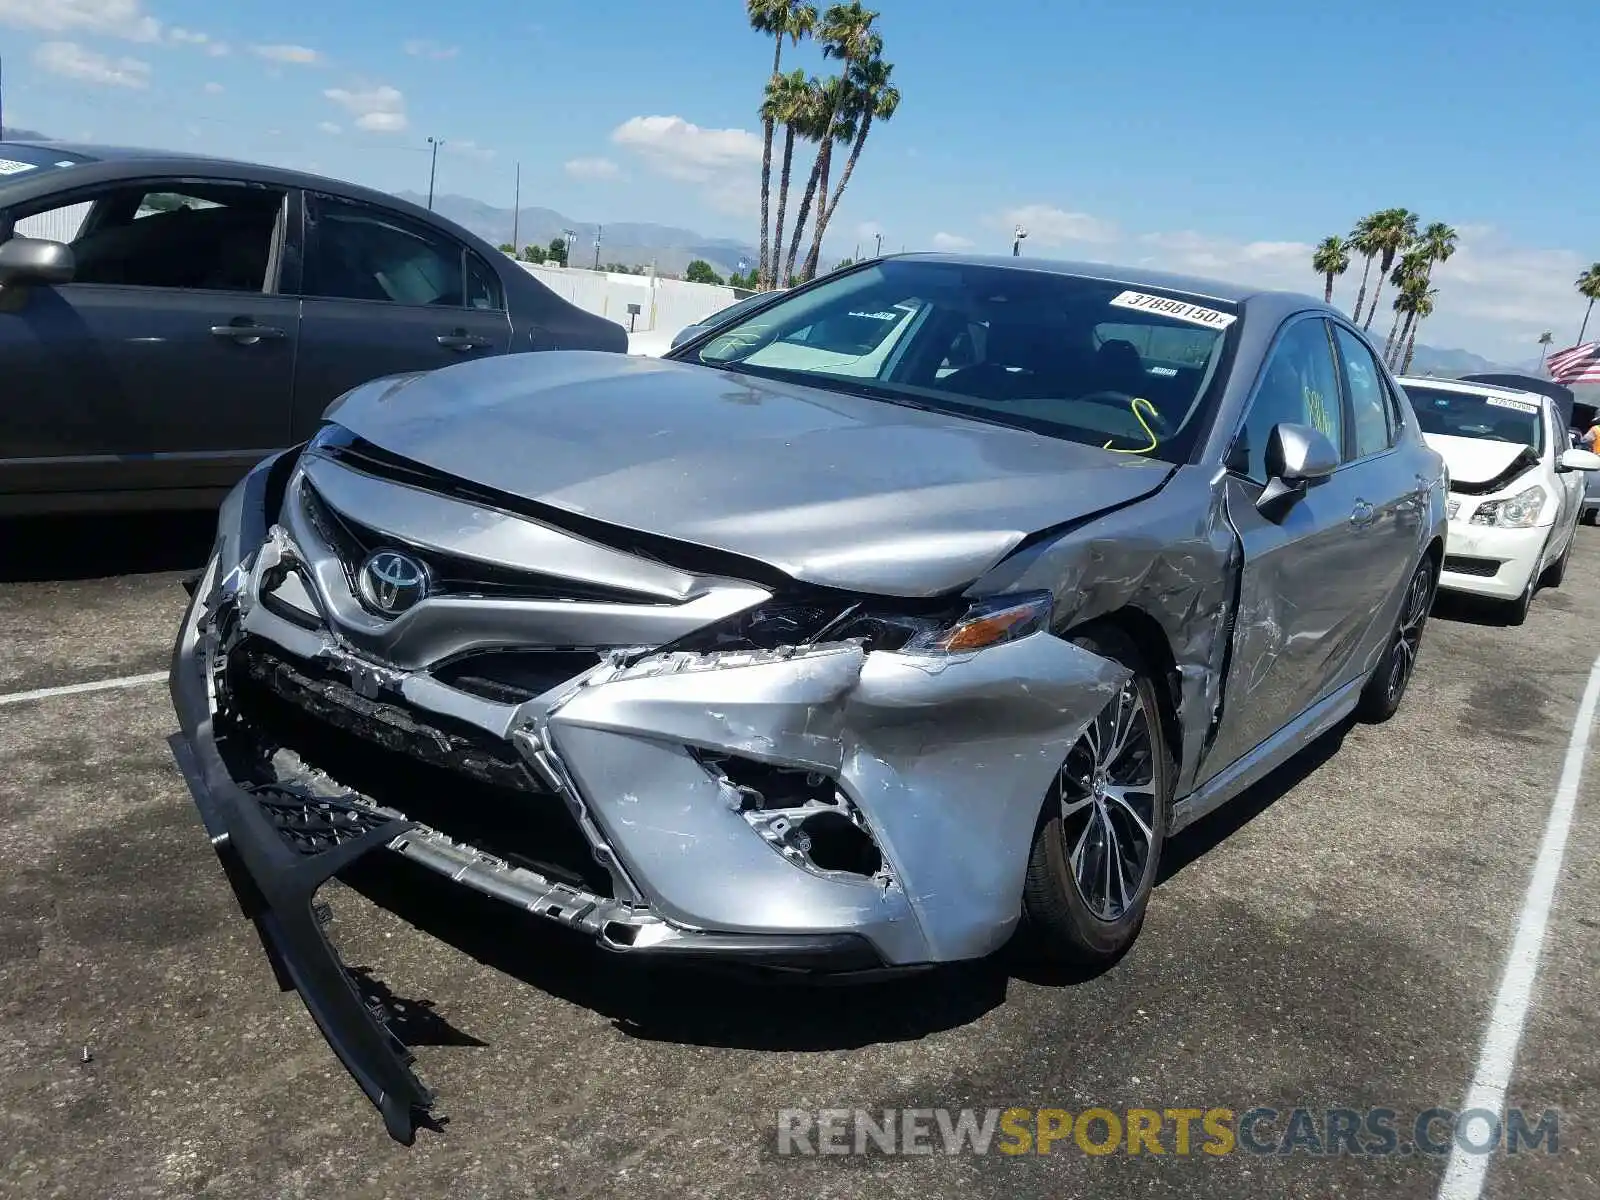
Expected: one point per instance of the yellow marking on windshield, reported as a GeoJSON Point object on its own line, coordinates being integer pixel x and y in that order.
{"type": "Point", "coordinates": [1134, 406]}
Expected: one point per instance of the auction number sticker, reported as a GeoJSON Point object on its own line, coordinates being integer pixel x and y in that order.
{"type": "Point", "coordinates": [1519, 405]}
{"type": "Point", "coordinates": [1181, 310]}
{"type": "Point", "coordinates": [10, 166]}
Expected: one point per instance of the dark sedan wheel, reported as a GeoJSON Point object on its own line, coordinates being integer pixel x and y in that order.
{"type": "Point", "coordinates": [1098, 845]}
{"type": "Point", "coordinates": [1387, 687]}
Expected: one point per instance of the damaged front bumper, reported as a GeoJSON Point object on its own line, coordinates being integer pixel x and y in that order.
{"type": "Point", "coordinates": [817, 807]}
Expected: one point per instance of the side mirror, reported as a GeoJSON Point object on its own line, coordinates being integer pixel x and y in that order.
{"type": "Point", "coordinates": [1578, 460]}
{"type": "Point", "coordinates": [35, 260]}
{"type": "Point", "coordinates": [1297, 456]}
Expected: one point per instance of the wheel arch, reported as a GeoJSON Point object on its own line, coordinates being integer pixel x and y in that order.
{"type": "Point", "coordinates": [1154, 648]}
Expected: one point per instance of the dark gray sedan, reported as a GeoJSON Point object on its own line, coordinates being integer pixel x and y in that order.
{"type": "Point", "coordinates": [167, 321]}
{"type": "Point", "coordinates": [920, 605]}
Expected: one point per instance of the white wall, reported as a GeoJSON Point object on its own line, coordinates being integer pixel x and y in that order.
{"type": "Point", "coordinates": [665, 305]}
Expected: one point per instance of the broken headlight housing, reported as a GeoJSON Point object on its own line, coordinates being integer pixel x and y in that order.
{"type": "Point", "coordinates": [1515, 512]}
{"type": "Point", "coordinates": [958, 627]}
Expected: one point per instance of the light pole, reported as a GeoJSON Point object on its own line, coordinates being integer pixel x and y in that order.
{"type": "Point", "coordinates": [433, 167]}
{"type": "Point", "coordinates": [1016, 243]}
{"type": "Point", "coordinates": [569, 234]}
{"type": "Point", "coordinates": [597, 230]}
{"type": "Point", "coordinates": [516, 211]}
{"type": "Point", "coordinates": [879, 252]}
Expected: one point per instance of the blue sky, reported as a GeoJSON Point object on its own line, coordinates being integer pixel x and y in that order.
{"type": "Point", "coordinates": [1222, 139]}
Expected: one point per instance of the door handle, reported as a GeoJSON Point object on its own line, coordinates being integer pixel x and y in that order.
{"type": "Point", "coordinates": [244, 330]}
{"type": "Point", "coordinates": [1362, 514]}
{"type": "Point", "coordinates": [461, 340]}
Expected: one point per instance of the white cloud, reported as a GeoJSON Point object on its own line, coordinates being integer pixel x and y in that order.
{"type": "Point", "coordinates": [951, 241]}
{"type": "Point", "coordinates": [300, 55]}
{"type": "Point", "coordinates": [380, 109]}
{"type": "Point", "coordinates": [218, 49]}
{"type": "Point", "coordinates": [72, 61]}
{"type": "Point", "coordinates": [591, 168]}
{"type": "Point", "coordinates": [723, 163]}
{"type": "Point", "coordinates": [1049, 226]}
{"type": "Point", "coordinates": [187, 37]}
{"type": "Point", "coordinates": [214, 89]}
{"type": "Point", "coordinates": [425, 48]}
{"type": "Point", "coordinates": [124, 19]}
{"type": "Point", "coordinates": [327, 127]}
{"type": "Point", "coordinates": [468, 148]}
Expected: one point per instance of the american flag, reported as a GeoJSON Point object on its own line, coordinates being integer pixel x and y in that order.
{"type": "Point", "coordinates": [1576, 364]}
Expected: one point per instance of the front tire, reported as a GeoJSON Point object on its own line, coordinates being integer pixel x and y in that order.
{"type": "Point", "coordinates": [1516, 611]}
{"type": "Point", "coordinates": [1557, 571]}
{"type": "Point", "coordinates": [1098, 845]}
{"type": "Point", "coordinates": [1381, 697]}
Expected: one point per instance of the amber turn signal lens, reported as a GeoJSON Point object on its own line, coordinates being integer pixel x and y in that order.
{"type": "Point", "coordinates": [987, 630]}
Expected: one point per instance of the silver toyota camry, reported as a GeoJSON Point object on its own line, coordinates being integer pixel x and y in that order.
{"type": "Point", "coordinates": [910, 607]}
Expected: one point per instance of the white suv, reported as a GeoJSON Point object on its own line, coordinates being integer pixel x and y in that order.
{"type": "Point", "coordinates": [1516, 487]}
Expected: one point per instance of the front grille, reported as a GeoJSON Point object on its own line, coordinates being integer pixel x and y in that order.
{"type": "Point", "coordinates": [1461, 564]}
{"type": "Point", "coordinates": [450, 776]}
{"type": "Point", "coordinates": [453, 575]}
{"type": "Point", "coordinates": [514, 676]}
{"type": "Point", "coordinates": [311, 824]}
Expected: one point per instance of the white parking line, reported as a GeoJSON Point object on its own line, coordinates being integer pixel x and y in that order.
{"type": "Point", "coordinates": [1463, 1177]}
{"type": "Point", "coordinates": [77, 689]}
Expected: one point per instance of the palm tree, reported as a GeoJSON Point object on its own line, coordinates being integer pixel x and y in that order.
{"type": "Point", "coordinates": [1394, 233]}
{"type": "Point", "coordinates": [1589, 286]}
{"type": "Point", "coordinates": [1332, 257]}
{"type": "Point", "coordinates": [830, 119]}
{"type": "Point", "coordinates": [792, 102]}
{"type": "Point", "coordinates": [1438, 242]}
{"type": "Point", "coordinates": [1407, 273]}
{"type": "Point", "coordinates": [1421, 306]}
{"type": "Point", "coordinates": [876, 99]}
{"type": "Point", "coordinates": [1545, 339]}
{"type": "Point", "coordinates": [847, 34]}
{"type": "Point", "coordinates": [778, 18]}
{"type": "Point", "coordinates": [1363, 241]}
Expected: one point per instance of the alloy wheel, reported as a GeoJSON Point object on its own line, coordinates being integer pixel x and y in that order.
{"type": "Point", "coordinates": [1107, 789]}
{"type": "Point", "coordinates": [1408, 635]}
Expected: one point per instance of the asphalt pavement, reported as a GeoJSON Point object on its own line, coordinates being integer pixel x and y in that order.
{"type": "Point", "coordinates": [1332, 939]}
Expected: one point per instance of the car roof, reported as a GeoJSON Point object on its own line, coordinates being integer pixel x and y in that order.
{"type": "Point", "coordinates": [1470, 388]}
{"type": "Point", "coordinates": [1245, 295]}
{"type": "Point", "coordinates": [104, 162]}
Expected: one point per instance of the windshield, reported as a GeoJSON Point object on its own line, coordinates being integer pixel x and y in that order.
{"type": "Point", "coordinates": [1469, 414]}
{"type": "Point", "coordinates": [1083, 359]}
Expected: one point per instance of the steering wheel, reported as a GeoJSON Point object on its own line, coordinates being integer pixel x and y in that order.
{"type": "Point", "coordinates": [1147, 411]}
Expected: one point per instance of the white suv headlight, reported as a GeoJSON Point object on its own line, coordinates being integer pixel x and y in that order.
{"type": "Point", "coordinates": [1516, 512]}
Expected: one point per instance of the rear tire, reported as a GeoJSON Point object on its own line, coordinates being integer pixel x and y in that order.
{"type": "Point", "coordinates": [1098, 844]}
{"type": "Point", "coordinates": [1380, 699]}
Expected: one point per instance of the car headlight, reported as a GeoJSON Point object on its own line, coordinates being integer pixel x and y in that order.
{"type": "Point", "coordinates": [1451, 509]}
{"type": "Point", "coordinates": [950, 629]}
{"type": "Point", "coordinates": [1516, 512]}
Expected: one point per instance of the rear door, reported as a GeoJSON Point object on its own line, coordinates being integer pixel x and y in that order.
{"type": "Point", "coordinates": [1306, 593]}
{"type": "Point", "coordinates": [383, 294]}
{"type": "Point", "coordinates": [168, 362]}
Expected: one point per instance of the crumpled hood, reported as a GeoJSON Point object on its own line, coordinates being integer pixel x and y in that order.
{"type": "Point", "coordinates": [829, 488]}
{"type": "Point", "coordinates": [1474, 460]}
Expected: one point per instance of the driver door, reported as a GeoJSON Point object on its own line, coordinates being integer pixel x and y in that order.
{"type": "Point", "coordinates": [1305, 595]}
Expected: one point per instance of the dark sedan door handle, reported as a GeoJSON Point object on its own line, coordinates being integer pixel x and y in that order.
{"type": "Point", "coordinates": [245, 331]}
{"type": "Point", "coordinates": [1362, 514]}
{"type": "Point", "coordinates": [461, 340]}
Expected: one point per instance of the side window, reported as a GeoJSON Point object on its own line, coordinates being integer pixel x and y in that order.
{"type": "Point", "coordinates": [1371, 420]}
{"type": "Point", "coordinates": [360, 252]}
{"type": "Point", "coordinates": [198, 235]}
{"type": "Point", "coordinates": [483, 285]}
{"type": "Point", "coordinates": [1299, 385]}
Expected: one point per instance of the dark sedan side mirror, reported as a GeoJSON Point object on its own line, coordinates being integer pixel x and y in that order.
{"type": "Point", "coordinates": [35, 260]}
{"type": "Point", "coordinates": [1297, 456]}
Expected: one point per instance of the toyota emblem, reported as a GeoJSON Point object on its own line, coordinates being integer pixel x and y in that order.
{"type": "Point", "coordinates": [392, 583]}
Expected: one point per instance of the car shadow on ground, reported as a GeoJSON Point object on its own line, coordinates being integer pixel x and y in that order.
{"type": "Point", "coordinates": [709, 1004]}
{"type": "Point", "coordinates": [39, 549]}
